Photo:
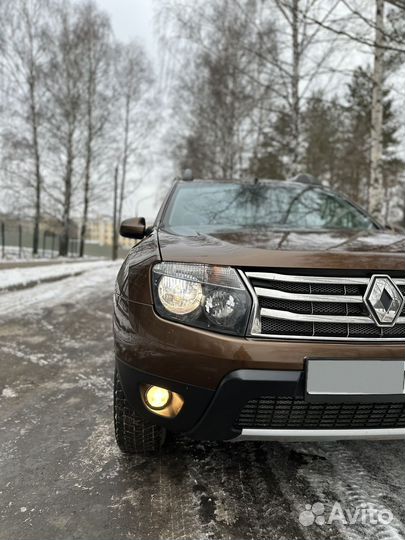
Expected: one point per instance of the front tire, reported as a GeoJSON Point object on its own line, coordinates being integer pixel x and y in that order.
{"type": "Point", "coordinates": [133, 434]}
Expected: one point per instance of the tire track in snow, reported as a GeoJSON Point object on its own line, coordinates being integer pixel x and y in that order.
{"type": "Point", "coordinates": [285, 461]}
{"type": "Point", "coordinates": [384, 462]}
{"type": "Point", "coordinates": [237, 492]}
{"type": "Point", "coordinates": [341, 478]}
{"type": "Point", "coordinates": [154, 500]}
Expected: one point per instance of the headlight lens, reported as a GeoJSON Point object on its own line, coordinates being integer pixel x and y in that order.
{"type": "Point", "coordinates": [202, 295]}
{"type": "Point", "coordinates": [179, 296]}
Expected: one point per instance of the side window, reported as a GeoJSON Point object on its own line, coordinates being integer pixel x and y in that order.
{"type": "Point", "coordinates": [305, 210]}
{"type": "Point", "coordinates": [313, 209]}
{"type": "Point", "coordinates": [339, 214]}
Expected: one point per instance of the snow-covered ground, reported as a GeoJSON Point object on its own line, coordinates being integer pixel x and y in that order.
{"type": "Point", "coordinates": [92, 276]}
{"type": "Point", "coordinates": [14, 253]}
{"type": "Point", "coordinates": [47, 259]}
{"type": "Point", "coordinates": [22, 277]}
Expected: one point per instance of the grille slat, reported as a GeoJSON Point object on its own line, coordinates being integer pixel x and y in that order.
{"type": "Point", "coordinates": [333, 280]}
{"type": "Point", "coordinates": [274, 293]}
{"type": "Point", "coordinates": [318, 307]}
{"type": "Point", "coordinates": [310, 317]}
{"type": "Point", "coordinates": [269, 412]}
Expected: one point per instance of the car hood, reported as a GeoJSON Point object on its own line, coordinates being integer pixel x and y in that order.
{"type": "Point", "coordinates": [374, 250]}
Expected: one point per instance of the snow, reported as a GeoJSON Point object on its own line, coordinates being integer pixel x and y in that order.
{"type": "Point", "coordinates": [13, 253]}
{"type": "Point", "coordinates": [48, 258]}
{"type": "Point", "coordinates": [21, 277]}
{"type": "Point", "coordinates": [8, 392]}
{"type": "Point", "coordinates": [59, 294]}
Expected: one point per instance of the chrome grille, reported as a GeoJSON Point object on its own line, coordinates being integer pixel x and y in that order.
{"type": "Point", "coordinates": [317, 307]}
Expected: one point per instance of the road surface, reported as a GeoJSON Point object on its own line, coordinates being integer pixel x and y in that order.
{"type": "Point", "coordinates": [62, 476]}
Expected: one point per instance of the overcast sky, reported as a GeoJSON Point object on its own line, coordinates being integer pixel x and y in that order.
{"type": "Point", "coordinates": [132, 19]}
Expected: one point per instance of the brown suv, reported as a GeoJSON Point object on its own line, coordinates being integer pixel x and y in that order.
{"type": "Point", "coordinates": [259, 310]}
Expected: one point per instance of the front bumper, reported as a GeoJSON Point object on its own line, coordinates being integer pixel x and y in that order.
{"type": "Point", "coordinates": [268, 404]}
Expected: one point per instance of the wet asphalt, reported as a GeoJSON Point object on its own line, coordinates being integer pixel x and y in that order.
{"type": "Point", "coordinates": [62, 476]}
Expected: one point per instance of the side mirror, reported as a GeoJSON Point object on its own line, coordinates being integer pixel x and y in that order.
{"type": "Point", "coordinates": [133, 228]}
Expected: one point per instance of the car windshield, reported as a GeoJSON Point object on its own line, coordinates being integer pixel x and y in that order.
{"type": "Point", "coordinates": [225, 206]}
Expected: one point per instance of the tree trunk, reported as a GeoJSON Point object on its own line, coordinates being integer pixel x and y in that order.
{"type": "Point", "coordinates": [64, 239]}
{"type": "Point", "coordinates": [376, 172]}
{"type": "Point", "coordinates": [37, 164]}
{"type": "Point", "coordinates": [38, 185]}
{"type": "Point", "coordinates": [387, 208]}
{"type": "Point", "coordinates": [295, 79]}
{"type": "Point", "coordinates": [87, 174]}
{"type": "Point", "coordinates": [115, 220]}
{"type": "Point", "coordinates": [124, 158]}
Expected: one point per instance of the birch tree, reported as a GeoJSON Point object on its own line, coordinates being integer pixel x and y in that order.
{"type": "Point", "coordinates": [116, 223]}
{"type": "Point", "coordinates": [73, 101]}
{"type": "Point", "coordinates": [307, 56]}
{"type": "Point", "coordinates": [223, 89]}
{"type": "Point", "coordinates": [135, 118]}
{"type": "Point", "coordinates": [23, 56]}
{"type": "Point", "coordinates": [376, 188]}
{"type": "Point", "coordinates": [94, 33]}
{"type": "Point", "coordinates": [385, 38]}
{"type": "Point", "coordinates": [64, 81]}
{"type": "Point", "coordinates": [291, 13]}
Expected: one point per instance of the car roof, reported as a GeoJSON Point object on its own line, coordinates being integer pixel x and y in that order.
{"type": "Point", "coordinates": [256, 181]}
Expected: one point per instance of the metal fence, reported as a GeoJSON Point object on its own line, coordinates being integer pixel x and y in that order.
{"type": "Point", "coordinates": [16, 242]}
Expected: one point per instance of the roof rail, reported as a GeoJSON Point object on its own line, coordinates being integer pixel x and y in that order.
{"type": "Point", "coordinates": [187, 175]}
{"type": "Point", "coordinates": [304, 178]}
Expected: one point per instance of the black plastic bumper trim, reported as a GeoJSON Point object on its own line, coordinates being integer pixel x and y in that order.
{"type": "Point", "coordinates": [235, 390]}
{"type": "Point", "coordinates": [196, 399]}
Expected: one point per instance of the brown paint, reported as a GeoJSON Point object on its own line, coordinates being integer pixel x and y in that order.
{"type": "Point", "coordinates": [210, 250]}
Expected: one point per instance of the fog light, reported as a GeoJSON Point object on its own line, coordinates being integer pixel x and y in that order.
{"type": "Point", "coordinates": [161, 401]}
{"type": "Point", "coordinates": [157, 398]}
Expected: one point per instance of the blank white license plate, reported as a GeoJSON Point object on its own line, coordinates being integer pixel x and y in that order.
{"type": "Point", "coordinates": [355, 377]}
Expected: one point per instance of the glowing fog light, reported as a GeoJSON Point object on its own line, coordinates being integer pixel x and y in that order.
{"type": "Point", "coordinates": [157, 398]}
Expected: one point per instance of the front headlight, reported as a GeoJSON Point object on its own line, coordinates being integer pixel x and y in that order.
{"type": "Point", "coordinates": [179, 296]}
{"type": "Point", "coordinates": [212, 297]}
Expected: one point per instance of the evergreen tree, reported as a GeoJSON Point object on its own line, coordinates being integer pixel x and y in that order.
{"type": "Point", "coordinates": [353, 173]}
{"type": "Point", "coordinates": [322, 136]}
{"type": "Point", "coordinates": [337, 143]}
{"type": "Point", "coordinates": [271, 159]}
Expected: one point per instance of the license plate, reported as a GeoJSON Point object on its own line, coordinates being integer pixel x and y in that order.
{"type": "Point", "coordinates": [339, 377]}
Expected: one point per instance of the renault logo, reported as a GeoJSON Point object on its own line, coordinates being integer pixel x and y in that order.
{"type": "Point", "coordinates": [384, 300]}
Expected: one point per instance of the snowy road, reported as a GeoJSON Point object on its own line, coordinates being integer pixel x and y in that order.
{"type": "Point", "coordinates": [61, 475]}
